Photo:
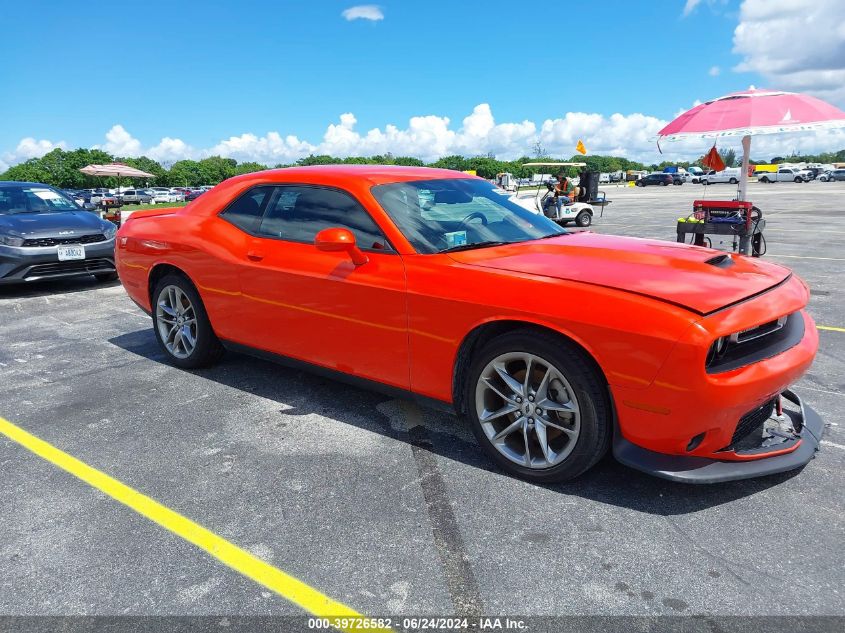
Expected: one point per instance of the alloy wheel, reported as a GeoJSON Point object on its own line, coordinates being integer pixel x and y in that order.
{"type": "Point", "coordinates": [176, 321]}
{"type": "Point", "coordinates": [527, 410]}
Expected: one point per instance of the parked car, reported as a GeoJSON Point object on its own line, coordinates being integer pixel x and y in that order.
{"type": "Point", "coordinates": [679, 179]}
{"type": "Point", "coordinates": [193, 195]}
{"type": "Point", "coordinates": [44, 234]}
{"type": "Point", "coordinates": [786, 174]}
{"type": "Point", "coordinates": [382, 276]}
{"type": "Point", "coordinates": [833, 174]}
{"type": "Point", "coordinates": [655, 179]}
{"type": "Point", "coordinates": [82, 198]}
{"type": "Point", "coordinates": [730, 175]}
{"type": "Point", "coordinates": [164, 196]}
{"type": "Point", "coordinates": [135, 196]}
{"type": "Point", "coordinates": [105, 200]}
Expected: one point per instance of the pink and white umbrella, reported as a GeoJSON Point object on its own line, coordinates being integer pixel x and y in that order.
{"type": "Point", "coordinates": [753, 112]}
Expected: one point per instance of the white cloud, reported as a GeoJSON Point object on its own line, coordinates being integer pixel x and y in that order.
{"type": "Point", "coordinates": [814, 60]}
{"type": "Point", "coordinates": [714, 71]}
{"type": "Point", "coordinates": [690, 6]}
{"type": "Point", "coordinates": [431, 136]}
{"type": "Point", "coordinates": [370, 12]}
{"type": "Point", "coordinates": [120, 142]}
{"type": "Point", "coordinates": [269, 150]}
{"type": "Point", "coordinates": [170, 150]}
{"type": "Point", "coordinates": [28, 148]}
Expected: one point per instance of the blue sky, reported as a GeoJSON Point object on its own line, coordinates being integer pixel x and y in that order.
{"type": "Point", "coordinates": [201, 73]}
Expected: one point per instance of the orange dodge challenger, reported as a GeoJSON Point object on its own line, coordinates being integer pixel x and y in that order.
{"type": "Point", "coordinates": [432, 284]}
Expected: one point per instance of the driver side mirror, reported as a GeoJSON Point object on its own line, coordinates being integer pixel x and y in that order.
{"type": "Point", "coordinates": [334, 240]}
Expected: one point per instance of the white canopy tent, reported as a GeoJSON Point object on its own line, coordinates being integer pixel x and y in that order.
{"type": "Point", "coordinates": [118, 170]}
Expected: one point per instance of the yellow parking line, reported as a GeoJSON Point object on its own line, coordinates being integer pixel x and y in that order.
{"type": "Point", "coordinates": [831, 328]}
{"type": "Point", "coordinates": [240, 560]}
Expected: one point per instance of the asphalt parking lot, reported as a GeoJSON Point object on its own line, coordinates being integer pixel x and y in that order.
{"type": "Point", "coordinates": [384, 506]}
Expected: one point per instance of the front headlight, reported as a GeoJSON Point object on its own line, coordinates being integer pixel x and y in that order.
{"type": "Point", "coordinates": [110, 231]}
{"type": "Point", "coordinates": [10, 240]}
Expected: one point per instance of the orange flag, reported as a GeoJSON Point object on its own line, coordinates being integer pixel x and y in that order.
{"type": "Point", "coordinates": [713, 161]}
{"type": "Point", "coordinates": [580, 147]}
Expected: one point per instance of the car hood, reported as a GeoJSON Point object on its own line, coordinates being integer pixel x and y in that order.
{"type": "Point", "coordinates": [700, 279]}
{"type": "Point", "coordinates": [50, 224]}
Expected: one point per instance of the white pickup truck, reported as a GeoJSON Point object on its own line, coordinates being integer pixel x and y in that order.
{"type": "Point", "coordinates": [785, 174]}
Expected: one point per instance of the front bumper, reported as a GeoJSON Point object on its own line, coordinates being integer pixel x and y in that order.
{"type": "Point", "coordinates": [23, 264]}
{"type": "Point", "coordinates": [702, 470]}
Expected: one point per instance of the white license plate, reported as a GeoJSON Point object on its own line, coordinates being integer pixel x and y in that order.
{"type": "Point", "coordinates": [71, 252]}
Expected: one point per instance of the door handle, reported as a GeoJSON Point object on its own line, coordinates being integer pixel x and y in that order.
{"type": "Point", "coordinates": [255, 256]}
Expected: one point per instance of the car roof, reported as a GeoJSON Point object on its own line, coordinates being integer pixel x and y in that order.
{"type": "Point", "coordinates": [4, 183]}
{"type": "Point", "coordinates": [342, 174]}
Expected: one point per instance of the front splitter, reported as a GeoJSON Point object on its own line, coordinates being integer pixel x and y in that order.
{"type": "Point", "coordinates": [701, 470]}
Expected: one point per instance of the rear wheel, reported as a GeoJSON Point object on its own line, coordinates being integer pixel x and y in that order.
{"type": "Point", "coordinates": [181, 324]}
{"type": "Point", "coordinates": [665, 183]}
{"type": "Point", "coordinates": [797, 179]}
{"type": "Point", "coordinates": [639, 183]}
{"type": "Point", "coordinates": [764, 179]}
{"type": "Point", "coordinates": [537, 406]}
{"type": "Point", "coordinates": [732, 181]}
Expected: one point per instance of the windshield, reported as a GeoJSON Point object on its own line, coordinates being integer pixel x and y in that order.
{"type": "Point", "coordinates": [438, 215]}
{"type": "Point", "coordinates": [18, 199]}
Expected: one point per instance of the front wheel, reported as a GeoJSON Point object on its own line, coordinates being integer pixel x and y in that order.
{"type": "Point", "coordinates": [798, 179]}
{"type": "Point", "coordinates": [639, 184]}
{"type": "Point", "coordinates": [705, 182]}
{"type": "Point", "coordinates": [537, 406]}
{"type": "Point", "coordinates": [181, 324]}
{"type": "Point", "coordinates": [732, 181]}
{"type": "Point", "coordinates": [764, 179]}
{"type": "Point", "coordinates": [585, 218]}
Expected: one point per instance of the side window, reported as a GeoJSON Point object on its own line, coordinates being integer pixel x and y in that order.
{"type": "Point", "coordinates": [298, 213]}
{"type": "Point", "coordinates": [245, 212]}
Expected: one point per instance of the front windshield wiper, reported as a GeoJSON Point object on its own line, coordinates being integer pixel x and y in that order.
{"type": "Point", "coordinates": [466, 247]}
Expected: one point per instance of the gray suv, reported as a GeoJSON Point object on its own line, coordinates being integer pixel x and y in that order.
{"type": "Point", "coordinates": [135, 196]}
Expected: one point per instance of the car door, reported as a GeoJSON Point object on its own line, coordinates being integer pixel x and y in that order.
{"type": "Point", "coordinates": [318, 306]}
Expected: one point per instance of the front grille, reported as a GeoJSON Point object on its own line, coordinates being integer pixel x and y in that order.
{"type": "Point", "coordinates": [751, 423]}
{"type": "Point", "coordinates": [60, 241]}
{"type": "Point", "coordinates": [55, 269]}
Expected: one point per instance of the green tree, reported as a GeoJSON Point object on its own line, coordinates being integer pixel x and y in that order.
{"type": "Point", "coordinates": [728, 156]}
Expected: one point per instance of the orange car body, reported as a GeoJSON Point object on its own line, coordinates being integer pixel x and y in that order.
{"type": "Point", "coordinates": [646, 311]}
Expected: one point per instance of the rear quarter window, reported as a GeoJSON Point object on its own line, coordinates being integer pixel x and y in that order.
{"type": "Point", "coordinates": [245, 212]}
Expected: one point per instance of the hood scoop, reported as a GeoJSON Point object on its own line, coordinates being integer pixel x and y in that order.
{"type": "Point", "coordinates": [720, 261]}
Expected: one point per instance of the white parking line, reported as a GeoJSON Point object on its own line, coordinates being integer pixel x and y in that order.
{"type": "Point", "coordinates": [833, 444]}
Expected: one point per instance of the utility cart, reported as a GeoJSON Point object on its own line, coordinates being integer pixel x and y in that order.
{"type": "Point", "coordinates": [735, 218]}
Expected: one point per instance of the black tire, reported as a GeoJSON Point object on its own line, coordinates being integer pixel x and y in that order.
{"type": "Point", "coordinates": [704, 181]}
{"type": "Point", "coordinates": [589, 388]}
{"type": "Point", "coordinates": [797, 179]}
{"type": "Point", "coordinates": [639, 183]}
{"type": "Point", "coordinates": [105, 277]}
{"type": "Point", "coordinates": [207, 349]}
{"type": "Point", "coordinates": [763, 179]}
{"type": "Point", "coordinates": [665, 183]}
{"type": "Point", "coordinates": [677, 182]}
{"type": "Point", "coordinates": [732, 181]}
{"type": "Point", "coordinates": [585, 218]}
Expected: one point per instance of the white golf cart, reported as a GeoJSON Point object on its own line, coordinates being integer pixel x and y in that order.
{"type": "Point", "coordinates": [543, 202]}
